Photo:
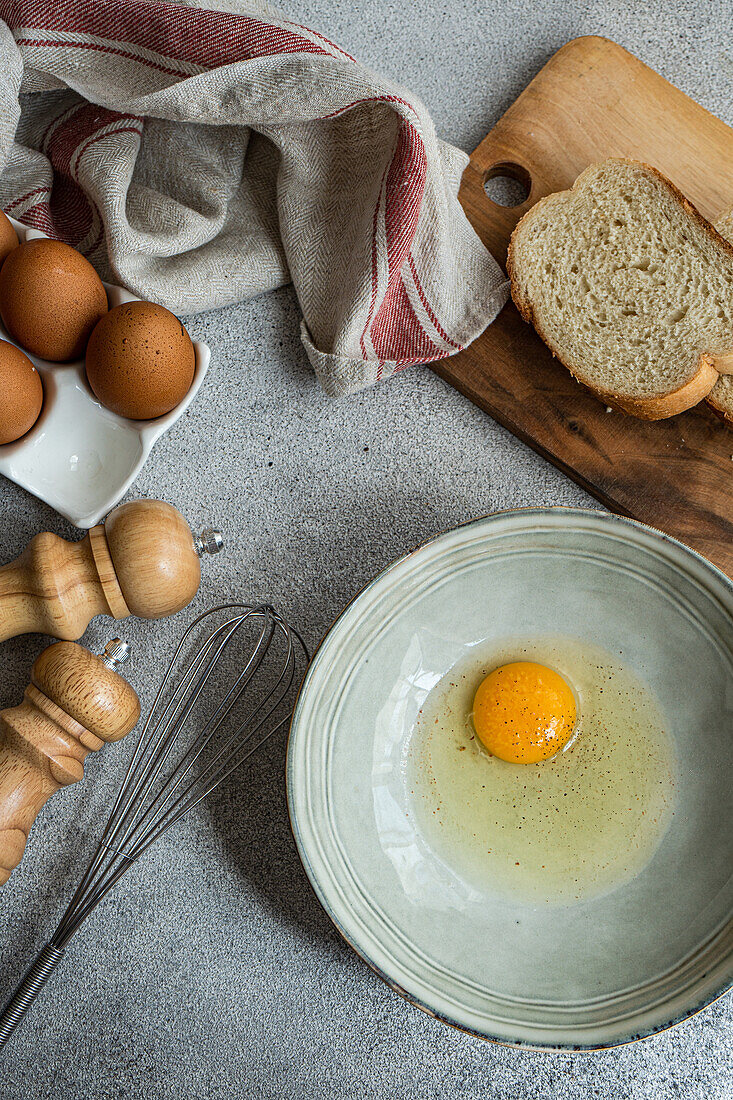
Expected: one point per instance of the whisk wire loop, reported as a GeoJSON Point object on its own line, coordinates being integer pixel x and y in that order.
{"type": "Point", "coordinates": [135, 838]}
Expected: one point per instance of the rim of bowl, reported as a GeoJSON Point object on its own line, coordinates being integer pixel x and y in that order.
{"type": "Point", "coordinates": [607, 517]}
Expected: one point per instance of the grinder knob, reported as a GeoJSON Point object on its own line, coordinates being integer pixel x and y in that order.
{"type": "Point", "coordinates": [156, 559]}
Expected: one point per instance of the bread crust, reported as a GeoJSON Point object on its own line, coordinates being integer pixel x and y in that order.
{"type": "Point", "coordinates": [722, 414]}
{"type": "Point", "coordinates": [656, 406]}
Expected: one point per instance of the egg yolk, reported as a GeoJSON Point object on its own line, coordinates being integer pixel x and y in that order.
{"type": "Point", "coordinates": [524, 713]}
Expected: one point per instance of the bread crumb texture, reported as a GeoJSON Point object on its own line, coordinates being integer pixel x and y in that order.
{"type": "Point", "coordinates": [625, 281]}
{"type": "Point", "coordinates": [721, 395]}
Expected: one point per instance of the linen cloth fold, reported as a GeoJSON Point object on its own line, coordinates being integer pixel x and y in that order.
{"type": "Point", "coordinates": [200, 157]}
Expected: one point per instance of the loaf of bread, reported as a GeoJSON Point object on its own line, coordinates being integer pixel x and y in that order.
{"type": "Point", "coordinates": [629, 287]}
{"type": "Point", "coordinates": [720, 397]}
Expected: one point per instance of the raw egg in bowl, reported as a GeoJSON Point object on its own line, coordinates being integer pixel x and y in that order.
{"type": "Point", "coordinates": [510, 778]}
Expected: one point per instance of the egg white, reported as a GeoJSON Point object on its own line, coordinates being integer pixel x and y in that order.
{"type": "Point", "coordinates": [556, 832]}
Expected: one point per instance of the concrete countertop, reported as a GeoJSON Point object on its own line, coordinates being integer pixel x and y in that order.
{"type": "Point", "coordinates": [213, 972]}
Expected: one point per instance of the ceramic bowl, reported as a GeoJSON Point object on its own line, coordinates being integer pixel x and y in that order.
{"type": "Point", "coordinates": [79, 457]}
{"type": "Point", "coordinates": [597, 973]}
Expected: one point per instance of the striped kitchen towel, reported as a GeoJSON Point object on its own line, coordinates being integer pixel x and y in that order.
{"type": "Point", "coordinates": [201, 157]}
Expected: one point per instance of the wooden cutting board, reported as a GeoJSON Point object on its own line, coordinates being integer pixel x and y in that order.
{"type": "Point", "coordinates": [594, 100]}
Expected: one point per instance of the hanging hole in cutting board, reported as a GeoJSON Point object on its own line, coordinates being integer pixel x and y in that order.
{"type": "Point", "coordinates": [508, 184]}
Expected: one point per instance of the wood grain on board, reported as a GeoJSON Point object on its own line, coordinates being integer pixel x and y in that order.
{"type": "Point", "coordinates": [594, 100]}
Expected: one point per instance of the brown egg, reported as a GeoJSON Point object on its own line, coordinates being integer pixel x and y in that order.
{"type": "Point", "coordinates": [21, 393]}
{"type": "Point", "coordinates": [8, 237]}
{"type": "Point", "coordinates": [140, 361]}
{"type": "Point", "coordinates": [50, 299]}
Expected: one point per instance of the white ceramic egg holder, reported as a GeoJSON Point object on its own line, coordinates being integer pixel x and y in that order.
{"type": "Point", "coordinates": [79, 457]}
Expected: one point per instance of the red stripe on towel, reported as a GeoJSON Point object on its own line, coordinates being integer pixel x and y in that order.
{"type": "Point", "coordinates": [195, 35]}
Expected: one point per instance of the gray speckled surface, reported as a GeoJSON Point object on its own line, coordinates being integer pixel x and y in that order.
{"type": "Point", "coordinates": [214, 972]}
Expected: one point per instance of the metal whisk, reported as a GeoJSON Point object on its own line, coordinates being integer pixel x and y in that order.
{"type": "Point", "coordinates": [177, 762]}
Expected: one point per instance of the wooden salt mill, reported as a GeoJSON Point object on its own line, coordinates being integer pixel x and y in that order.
{"type": "Point", "coordinates": [74, 703]}
{"type": "Point", "coordinates": [142, 561]}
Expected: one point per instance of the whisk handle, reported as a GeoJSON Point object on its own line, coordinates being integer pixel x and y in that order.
{"type": "Point", "coordinates": [30, 986]}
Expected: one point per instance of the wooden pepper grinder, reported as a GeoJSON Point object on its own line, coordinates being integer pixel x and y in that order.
{"type": "Point", "coordinates": [74, 703]}
{"type": "Point", "coordinates": [142, 561]}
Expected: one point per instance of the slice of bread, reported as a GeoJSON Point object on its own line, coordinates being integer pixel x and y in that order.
{"type": "Point", "coordinates": [629, 287]}
{"type": "Point", "coordinates": [720, 398]}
